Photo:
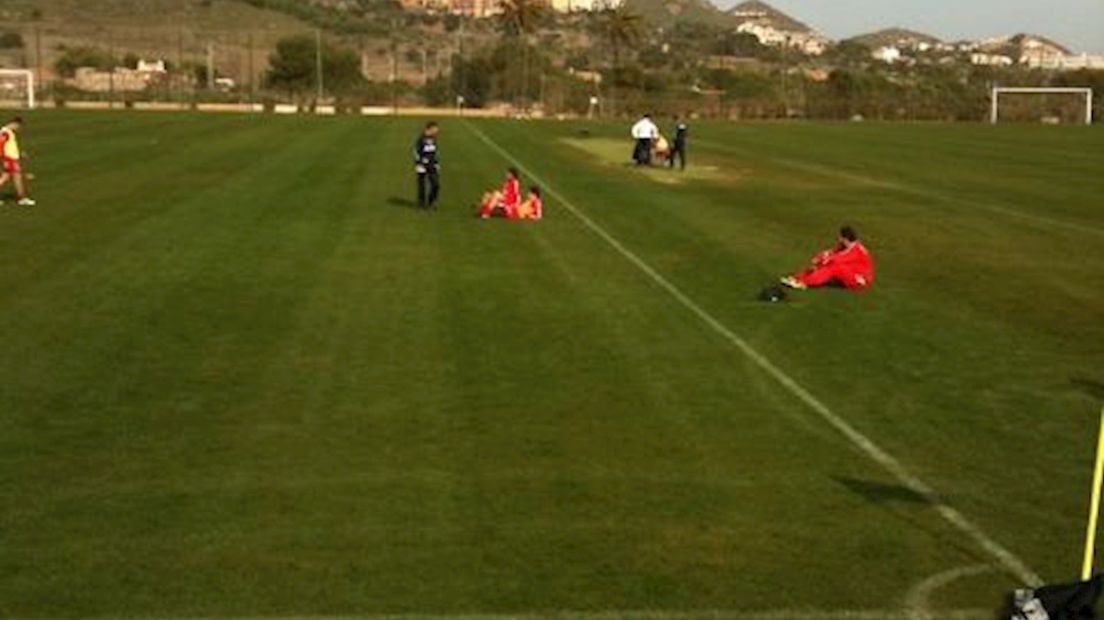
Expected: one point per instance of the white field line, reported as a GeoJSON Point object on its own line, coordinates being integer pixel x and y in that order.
{"type": "Point", "coordinates": [705, 614]}
{"type": "Point", "coordinates": [998, 552]}
{"type": "Point", "coordinates": [918, 599]}
{"type": "Point", "coordinates": [860, 179]}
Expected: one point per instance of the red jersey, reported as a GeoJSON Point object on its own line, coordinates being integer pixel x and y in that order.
{"type": "Point", "coordinates": [511, 193]}
{"type": "Point", "coordinates": [854, 264]}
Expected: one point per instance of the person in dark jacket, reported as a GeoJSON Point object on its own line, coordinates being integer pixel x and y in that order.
{"type": "Point", "coordinates": [678, 144]}
{"type": "Point", "coordinates": [427, 167]}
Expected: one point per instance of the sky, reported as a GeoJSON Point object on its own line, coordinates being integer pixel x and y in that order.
{"type": "Point", "coordinates": [1078, 24]}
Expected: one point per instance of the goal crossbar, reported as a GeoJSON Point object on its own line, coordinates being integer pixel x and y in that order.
{"type": "Point", "coordinates": [994, 113]}
{"type": "Point", "coordinates": [29, 76]}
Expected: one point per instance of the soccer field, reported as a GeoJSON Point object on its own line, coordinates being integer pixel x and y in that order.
{"type": "Point", "coordinates": [242, 376]}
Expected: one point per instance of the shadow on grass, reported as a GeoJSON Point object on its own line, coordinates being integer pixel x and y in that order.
{"type": "Point", "coordinates": [405, 203]}
{"type": "Point", "coordinates": [1089, 386]}
{"type": "Point", "coordinates": [879, 492]}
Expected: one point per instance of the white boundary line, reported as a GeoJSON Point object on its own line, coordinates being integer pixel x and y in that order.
{"type": "Point", "coordinates": [918, 599]}
{"type": "Point", "coordinates": [998, 552]}
{"type": "Point", "coordinates": [704, 614]}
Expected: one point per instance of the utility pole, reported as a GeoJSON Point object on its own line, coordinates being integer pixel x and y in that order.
{"type": "Point", "coordinates": [394, 69]}
{"type": "Point", "coordinates": [318, 63]}
{"type": "Point", "coordinates": [111, 73]}
{"type": "Point", "coordinates": [525, 73]}
{"type": "Point", "coordinates": [461, 80]}
{"type": "Point", "coordinates": [179, 56]}
{"type": "Point", "coordinates": [38, 55]}
{"type": "Point", "coordinates": [210, 66]}
{"type": "Point", "coordinates": [364, 66]}
{"type": "Point", "coordinates": [252, 74]}
{"type": "Point", "coordinates": [544, 108]}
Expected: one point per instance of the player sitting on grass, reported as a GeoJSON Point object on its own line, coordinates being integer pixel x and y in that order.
{"type": "Point", "coordinates": [10, 155]}
{"type": "Point", "coordinates": [532, 208]}
{"type": "Point", "coordinates": [503, 201]}
{"type": "Point", "coordinates": [848, 265]}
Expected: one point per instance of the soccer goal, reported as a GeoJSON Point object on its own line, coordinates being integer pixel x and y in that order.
{"type": "Point", "coordinates": [1042, 96]}
{"type": "Point", "coordinates": [17, 88]}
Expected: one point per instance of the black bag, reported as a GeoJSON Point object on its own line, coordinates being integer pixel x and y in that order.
{"type": "Point", "coordinates": [1075, 601]}
{"type": "Point", "coordinates": [772, 294]}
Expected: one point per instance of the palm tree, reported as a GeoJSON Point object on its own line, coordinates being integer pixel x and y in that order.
{"type": "Point", "coordinates": [520, 19]}
{"type": "Point", "coordinates": [621, 28]}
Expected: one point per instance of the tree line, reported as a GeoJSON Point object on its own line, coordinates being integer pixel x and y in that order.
{"type": "Point", "coordinates": [534, 62]}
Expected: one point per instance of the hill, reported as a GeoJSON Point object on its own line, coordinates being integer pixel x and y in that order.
{"type": "Point", "coordinates": [897, 37]}
{"type": "Point", "coordinates": [667, 12]}
{"type": "Point", "coordinates": [1023, 43]}
{"type": "Point", "coordinates": [764, 14]}
{"type": "Point", "coordinates": [241, 35]}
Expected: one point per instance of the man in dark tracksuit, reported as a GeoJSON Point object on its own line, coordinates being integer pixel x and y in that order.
{"type": "Point", "coordinates": [427, 167]}
{"type": "Point", "coordinates": [678, 144]}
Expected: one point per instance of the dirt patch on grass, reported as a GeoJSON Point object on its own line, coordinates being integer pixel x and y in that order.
{"type": "Point", "coordinates": [615, 153]}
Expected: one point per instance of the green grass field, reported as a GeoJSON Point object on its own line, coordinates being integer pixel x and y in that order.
{"type": "Point", "coordinates": [243, 377]}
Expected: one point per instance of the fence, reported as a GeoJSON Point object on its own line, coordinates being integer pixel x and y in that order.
{"type": "Point", "coordinates": [198, 68]}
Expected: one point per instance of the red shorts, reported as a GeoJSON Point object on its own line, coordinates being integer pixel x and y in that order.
{"type": "Point", "coordinates": [11, 166]}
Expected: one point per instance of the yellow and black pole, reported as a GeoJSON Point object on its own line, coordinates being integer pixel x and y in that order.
{"type": "Point", "coordinates": [1094, 505]}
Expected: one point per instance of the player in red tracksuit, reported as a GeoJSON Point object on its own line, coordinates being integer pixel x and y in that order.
{"type": "Point", "coordinates": [505, 199]}
{"type": "Point", "coordinates": [848, 265]}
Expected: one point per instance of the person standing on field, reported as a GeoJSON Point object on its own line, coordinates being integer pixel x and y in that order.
{"type": "Point", "coordinates": [10, 156]}
{"type": "Point", "coordinates": [644, 132]}
{"type": "Point", "coordinates": [427, 167]}
{"type": "Point", "coordinates": [678, 144]}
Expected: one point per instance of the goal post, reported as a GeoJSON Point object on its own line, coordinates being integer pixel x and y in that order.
{"type": "Point", "coordinates": [994, 108]}
{"type": "Point", "coordinates": [17, 88]}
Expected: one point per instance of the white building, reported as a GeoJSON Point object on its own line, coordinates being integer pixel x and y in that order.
{"type": "Point", "coordinates": [990, 60]}
{"type": "Point", "coordinates": [1064, 63]}
{"type": "Point", "coordinates": [807, 42]}
{"type": "Point", "coordinates": [571, 6]}
{"type": "Point", "coordinates": [1034, 52]}
{"type": "Point", "coordinates": [152, 66]}
{"type": "Point", "coordinates": [888, 54]}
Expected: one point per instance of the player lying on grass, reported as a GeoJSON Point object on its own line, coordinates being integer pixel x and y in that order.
{"type": "Point", "coordinates": [504, 200]}
{"type": "Point", "coordinates": [10, 156]}
{"type": "Point", "coordinates": [848, 265]}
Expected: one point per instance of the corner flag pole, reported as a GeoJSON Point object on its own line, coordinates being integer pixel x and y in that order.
{"type": "Point", "coordinates": [1094, 507]}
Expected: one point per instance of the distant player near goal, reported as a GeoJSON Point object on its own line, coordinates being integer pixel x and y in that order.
{"type": "Point", "coordinates": [10, 156]}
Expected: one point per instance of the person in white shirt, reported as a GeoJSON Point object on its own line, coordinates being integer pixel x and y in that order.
{"type": "Point", "coordinates": [644, 131]}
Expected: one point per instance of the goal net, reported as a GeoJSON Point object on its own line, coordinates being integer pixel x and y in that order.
{"type": "Point", "coordinates": [1042, 105]}
{"type": "Point", "coordinates": [17, 88]}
